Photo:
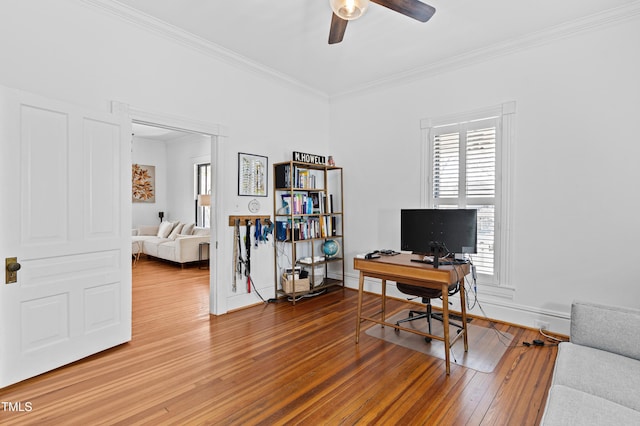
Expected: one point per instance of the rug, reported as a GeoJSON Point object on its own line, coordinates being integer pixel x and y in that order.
{"type": "Point", "coordinates": [486, 345]}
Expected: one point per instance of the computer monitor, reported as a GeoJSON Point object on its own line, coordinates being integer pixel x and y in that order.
{"type": "Point", "coordinates": [437, 232]}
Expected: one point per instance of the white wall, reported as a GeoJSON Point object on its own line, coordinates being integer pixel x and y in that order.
{"type": "Point", "coordinates": [183, 154]}
{"type": "Point", "coordinates": [174, 161]}
{"type": "Point", "coordinates": [150, 153]}
{"type": "Point", "coordinates": [75, 52]}
{"type": "Point", "coordinates": [575, 198]}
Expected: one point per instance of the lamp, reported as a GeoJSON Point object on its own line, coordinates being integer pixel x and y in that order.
{"type": "Point", "coordinates": [204, 200]}
{"type": "Point", "coordinates": [349, 9]}
{"type": "Point", "coordinates": [161, 215]}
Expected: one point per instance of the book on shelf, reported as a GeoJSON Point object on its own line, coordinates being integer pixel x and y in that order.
{"type": "Point", "coordinates": [302, 178]}
{"type": "Point", "coordinates": [283, 176]}
{"type": "Point", "coordinates": [286, 203]}
{"type": "Point", "coordinates": [287, 176]}
{"type": "Point", "coordinates": [298, 203]}
{"type": "Point", "coordinates": [315, 202]}
{"type": "Point", "coordinates": [309, 228]}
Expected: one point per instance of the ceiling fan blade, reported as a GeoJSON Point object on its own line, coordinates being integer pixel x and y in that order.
{"type": "Point", "coordinates": [412, 8]}
{"type": "Point", "coordinates": [338, 26]}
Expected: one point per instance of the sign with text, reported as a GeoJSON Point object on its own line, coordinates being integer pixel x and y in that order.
{"type": "Point", "coordinates": [308, 158]}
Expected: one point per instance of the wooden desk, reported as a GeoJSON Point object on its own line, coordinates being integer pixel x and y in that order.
{"type": "Point", "coordinates": [400, 268]}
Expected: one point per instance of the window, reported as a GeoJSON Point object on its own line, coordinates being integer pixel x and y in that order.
{"type": "Point", "coordinates": [465, 168]}
{"type": "Point", "coordinates": [203, 187]}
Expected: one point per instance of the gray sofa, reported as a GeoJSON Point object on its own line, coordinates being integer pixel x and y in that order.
{"type": "Point", "coordinates": [596, 379]}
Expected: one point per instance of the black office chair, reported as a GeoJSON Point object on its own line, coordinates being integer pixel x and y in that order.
{"type": "Point", "coordinates": [426, 294]}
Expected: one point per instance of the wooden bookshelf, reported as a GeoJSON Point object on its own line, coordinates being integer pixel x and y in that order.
{"type": "Point", "coordinates": [308, 213]}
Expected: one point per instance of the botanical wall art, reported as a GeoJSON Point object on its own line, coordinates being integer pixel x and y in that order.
{"type": "Point", "coordinates": [143, 184]}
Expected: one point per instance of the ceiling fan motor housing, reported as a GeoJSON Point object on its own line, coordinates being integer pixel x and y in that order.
{"type": "Point", "coordinates": [349, 9]}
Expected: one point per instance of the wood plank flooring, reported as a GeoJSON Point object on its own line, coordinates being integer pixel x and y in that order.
{"type": "Point", "coordinates": [273, 364]}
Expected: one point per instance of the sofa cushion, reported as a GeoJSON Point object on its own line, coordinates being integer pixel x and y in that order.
{"type": "Point", "coordinates": [567, 406]}
{"type": "Point", "coordinates": [150, 246]}
{"type": "Point", "coordinates": [148, 230]}
{"type": "Point", "coordinates": [165, 229]}
{"type": "Point", "coordinates": [201, 231]}
{"type": "Point", "coordinates": [167, 250]}
{"type": "Point", "coordinates": [600, 373]}
{"type": "Point", "coordinates": [187, 229]}
{"type": "Point", "coordinates": [611, 328]}
{"type": "Point", "coordinates": [175, 231]}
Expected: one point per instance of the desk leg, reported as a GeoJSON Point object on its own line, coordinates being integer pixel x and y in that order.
{"type": "Point", "coordinates": [463, 311]}
{"type": "Point", "coordinates": [384, 300]}
{"type": "Point", "coordinates": [360, 290]}
{"type": "Point", "coordinates": [445, 322]}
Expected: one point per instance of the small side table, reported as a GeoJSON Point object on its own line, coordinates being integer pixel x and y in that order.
{"type": "Point", "coordinates": [203, 249]}
{"type": "Point", "coordinates": [136, 249]}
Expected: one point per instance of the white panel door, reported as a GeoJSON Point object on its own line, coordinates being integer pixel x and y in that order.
{"type": "Point", "coordinates": [65, 180]}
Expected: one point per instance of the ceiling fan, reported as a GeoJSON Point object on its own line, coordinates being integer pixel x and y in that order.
{"type": "Point", "coordinates": [348, 10]}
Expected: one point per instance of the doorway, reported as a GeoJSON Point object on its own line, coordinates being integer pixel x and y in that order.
{"type": "Point", "coordinates": [180, 163]}
{"type": "Point", "coordinates": [216, 133]}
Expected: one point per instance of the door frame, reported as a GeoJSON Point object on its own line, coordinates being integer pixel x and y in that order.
{"type": "Point", "coordinates": [218, 133]}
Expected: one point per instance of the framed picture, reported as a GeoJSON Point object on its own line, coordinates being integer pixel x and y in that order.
{"type": "Point", "coordinates": [143, 184]}
{"type": "Point", "coordinates": [252, 175]}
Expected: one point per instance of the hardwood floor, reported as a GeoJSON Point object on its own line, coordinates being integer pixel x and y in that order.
{"type": "Point", "coordinates": [273, 364]}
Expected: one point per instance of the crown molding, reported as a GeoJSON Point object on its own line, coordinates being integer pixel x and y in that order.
{"type": "Point", "coordinates": [171, 32]}
{"type": "Point", "coordinates": [586, 24]}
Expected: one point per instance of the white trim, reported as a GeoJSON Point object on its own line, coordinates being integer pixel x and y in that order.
{"type": "Point", "coordinates": [425, 175]}
{"type": "Point", "coordinates": [476, 114]}
{"type": "Point", "coordinates": [218, 302]}
{"type": "Point", "coordinates": [217, 291]}
{"type": "Point", "coordinates": [506, 157]}
{"type": "Point", "coordinates": [171, 121]}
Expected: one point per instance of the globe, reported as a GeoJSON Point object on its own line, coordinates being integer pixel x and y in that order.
{"type": "Point", "coordinates": [330, 248]}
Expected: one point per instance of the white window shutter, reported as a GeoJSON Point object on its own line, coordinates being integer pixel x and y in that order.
{"type": "Point", "coordinates": [463, 174]}
{"type": "Point", "coordinates": [446, 165]}
{"type": "Point", "coordinates": [481, 163]}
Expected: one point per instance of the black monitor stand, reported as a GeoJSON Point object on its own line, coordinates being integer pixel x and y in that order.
{"type": "Point", "coordinates": [437, 248]}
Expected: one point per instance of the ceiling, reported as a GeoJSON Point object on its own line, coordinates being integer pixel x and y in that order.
{"type": "Point", "coordinates": [289, 37]}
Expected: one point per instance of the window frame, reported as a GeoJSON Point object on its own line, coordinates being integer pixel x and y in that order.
{"type": "Point", "coordinates": [504, 114]}
{"type": "Point", "coordinates": [202, 175]}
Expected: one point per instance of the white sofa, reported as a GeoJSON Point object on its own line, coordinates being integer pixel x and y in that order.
{"type": "Point", "coordinates": [173, 241]}
{"type": "Point", "coordinates": [596, 379]}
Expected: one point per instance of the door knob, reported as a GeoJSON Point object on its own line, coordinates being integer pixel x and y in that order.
{"type": "Point", "coordinates": [11, 271]}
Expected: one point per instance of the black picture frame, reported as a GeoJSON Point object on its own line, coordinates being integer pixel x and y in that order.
{"type": "Point", "coordinates": [253, 175]}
